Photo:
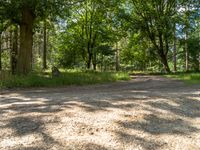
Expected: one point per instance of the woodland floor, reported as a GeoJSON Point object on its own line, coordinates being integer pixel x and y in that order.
{"type": "Point", "coordinates": [148, 112]}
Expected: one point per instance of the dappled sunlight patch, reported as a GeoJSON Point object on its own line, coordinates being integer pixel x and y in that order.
{"type": "Point", "coordinates": [139, 91]}
{"type": "Point", "coordinates": [13, 142]}
{"type": "Point", "coordinates": [103, 116]}
{"type": "Point", "coordinates": [164, 102]}
{"type": "Point", "coordinates": [194, 98]}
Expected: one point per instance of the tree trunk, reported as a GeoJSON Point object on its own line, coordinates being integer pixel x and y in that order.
{"type": "Point", "coordinates": [11, 45]}
{"type": "Point", "coordinates": [45, 46]}
{"type": "Point", "coordinates": [101, 61]}
{"type": "Point", "coordinates": [0, 53]}
{"type": "Point", "coordinates": [186, 53]}
{"type": "Point", "coordinates": [199, 61]}
{"type": "Point", "coordinates": [94, 57]}
{"type": "Point", "coordinates": [24, 62]}
{"type": "Point", "coordinates": [95, 66]}
{"type": "Point", "coordinates": [74, 58]}
{"type": "Point", "coordinates": [162, 54]}
{"type": "Point", "coordinates": [117, 65]}
{"type": "Point", "coordinates": [175, 51]}
{"type": "Point", "coordinates": [89, 61]}
{"type": "Point", "coordinates": [199, 52]}
{"type": "Point", "coordinates": [95, 61]}
{"type": "Point", "coordinates": [14, 51]}
{"type": "Point", "coordinates": [165, 63]}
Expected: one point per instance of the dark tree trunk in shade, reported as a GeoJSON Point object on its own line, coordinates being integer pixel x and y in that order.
{"type": "Point", "coordinates": [24, 62]}
{"type": "Point", "coordinates": [164, 61]}
{"type": "Point", "coordinates": [14, 51]}
{"type": "Point", "coordinates": [89, 61]}
{"type": "Point", "coordinates": [175, 52]}
{"type": "Point", "coordinates": [186, 53]}
{"type": "Point", "coordinates": [162, 53]}
{"type": "Point", "coordinates": [0, 53]}
{"type": "Point", "coordinates": [45, 46]}
{"type": "Point", "coordinates": [117, 65]}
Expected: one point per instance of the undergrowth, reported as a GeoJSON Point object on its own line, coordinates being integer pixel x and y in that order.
{"type": "Point", "coordinates": [67, 77]}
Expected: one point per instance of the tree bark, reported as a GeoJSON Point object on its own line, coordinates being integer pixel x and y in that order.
{"type": "Point", "coordinates": [14, 51]}
{"type": "Point", "coordinates": [186, 53]}
{"type": "Point", "coordinates": [162, 54]}
{"type": "Point", "coordinates": [94, 57]}
{"type": "Point", "coordinates": [164, 61]}
{"type": "Point", "coordinates": [175, 51]}
{"type": "Point", "coordinates": [199, 52]}
{"type": "Point", "coordinates": [24, 62]}
{"type": "Point", "coordinates": [95, 60]}
{"type": "Point", "coordinates": [89, 60]}
{"type": "Point", "coordinates": [117, 65]}
{"type": "Point", "coordinates": [102, 61]}
{"type": "Point", "coordinates": [0, 52]}
{"type": "Point", "coordinates": [45, 46]}
{"type": "Point", "coordinates": [199, 61]}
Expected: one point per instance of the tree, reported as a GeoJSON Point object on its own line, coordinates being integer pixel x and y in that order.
{"type": "Point", "coordinates": [14, 50]}
{"type": "Point", "coordinates": [154, 19]}
{"type": "Point", "coordinates": [45, 45]}
{"type": "Point", "coordinates": [26, 13]}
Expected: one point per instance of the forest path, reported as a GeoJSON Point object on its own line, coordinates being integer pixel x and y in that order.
{"type": "Point", "coordinates": [148, 112]}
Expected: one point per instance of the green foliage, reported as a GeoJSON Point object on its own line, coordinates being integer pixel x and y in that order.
{"type": "Point", "coordinates": [85, 34]}
{"type": "Point", "coordinates": [68, 77]}
{"type": "Point", "coordinates": [190, 78]}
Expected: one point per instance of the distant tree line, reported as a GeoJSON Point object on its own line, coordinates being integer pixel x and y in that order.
{"type": "Point", "coordinates": [151, 35]}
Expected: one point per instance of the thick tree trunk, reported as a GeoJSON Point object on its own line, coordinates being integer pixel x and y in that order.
{"type": "Point", "coordinates": [45, 46]}
{"type": "Point", "coordinates": [89, 61]}
{"type": "Point", "coordinates": [162, 54]}
{"type": "Point", "coordinates": [95, 66]}
{"type": "Point", "coordinates": [24, 62]}
{"type": "Point", "coordinates": [14, 51]}
{"type": "Point", "coordinates": [164, 61]}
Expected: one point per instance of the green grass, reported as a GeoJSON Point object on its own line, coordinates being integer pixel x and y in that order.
{"type": "Point", "coordinates": [68, 77]}
{"type": "Point", "coordinates": [187, 77]}
{"type": "Point", "coordinates": [190, 78]}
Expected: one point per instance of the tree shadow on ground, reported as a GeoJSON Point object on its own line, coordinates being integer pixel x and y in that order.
{"type": "Point", "coordinates": [26, 103]}
{"type": "Point", "coordinates": [86, 146]}
{"type": "Point", "coordinates": [22, 126]}
{"type": "Point", "coordinates": [184, 107]}
{"type": "Point", "coordinates": [156, 125]}
{"type": "Point", "coordinates": [125, 97]}
{"type": "Point", "coordinates": [146, 144]}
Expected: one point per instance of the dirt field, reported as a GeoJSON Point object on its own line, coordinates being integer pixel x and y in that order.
{"type": "Point", "coordinates": [146, 113]}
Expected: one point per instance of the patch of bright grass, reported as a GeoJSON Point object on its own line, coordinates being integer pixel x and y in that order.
{"type": "Point", "coordinates": [68, 77]}
{"type": "Point", "coordinates": [191, 78]}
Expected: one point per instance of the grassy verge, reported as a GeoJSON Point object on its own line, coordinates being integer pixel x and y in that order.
{"type": "Point", "coordinates": [190, 78]}
{"type": "Point", "coordinates": [67, 78]}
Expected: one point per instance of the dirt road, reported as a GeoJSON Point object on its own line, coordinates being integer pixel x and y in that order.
{"type": "Point", "coordinates": [146, 113]}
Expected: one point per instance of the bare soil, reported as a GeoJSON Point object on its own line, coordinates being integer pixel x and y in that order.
{"type": "Point", "coordinates": [146, 113]}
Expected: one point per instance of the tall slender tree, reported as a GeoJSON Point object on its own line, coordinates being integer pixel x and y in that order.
{"type": "Point", "coordinates": [153, 18]}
